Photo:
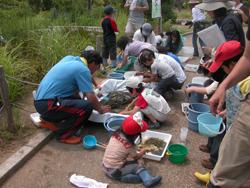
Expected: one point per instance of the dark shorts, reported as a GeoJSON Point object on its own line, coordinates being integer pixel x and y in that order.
{"type": "Point", "coordinates": [167, 84]}
{"type": "Point", "coordinates": [109, 50]}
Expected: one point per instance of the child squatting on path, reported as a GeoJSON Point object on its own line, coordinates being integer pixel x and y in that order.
{"type": "Point", "coordinates": [149, 102]}
{"type": "Point", "coordinates": [120, 161]}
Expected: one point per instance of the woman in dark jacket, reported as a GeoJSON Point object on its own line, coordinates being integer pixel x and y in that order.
{"type": "Point", "coordinates": [228, 23]}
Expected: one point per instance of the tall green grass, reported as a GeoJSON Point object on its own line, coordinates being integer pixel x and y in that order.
{"type": "Point", "coordinates": [16, 67]}
{"type": "Point", "coordinates": [32, 51]}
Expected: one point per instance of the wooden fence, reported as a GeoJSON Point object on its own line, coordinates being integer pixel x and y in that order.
{"type": "Point", "coordinates": [6, 106]}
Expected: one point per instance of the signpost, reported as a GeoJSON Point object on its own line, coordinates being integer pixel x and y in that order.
{"type": "Point", "coordinates": [156, 13]}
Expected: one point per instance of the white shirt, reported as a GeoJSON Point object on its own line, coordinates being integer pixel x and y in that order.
{"type": "Point", "coordinates": [155, 100]}
{"type": "Point", "coordinates": [139, 37]}
{"type": "Point", "coordinates": [197, 15]}
{"type": "Point", "coordinates": [162, 69]}
{"type": "Point", "coordinates": [178, 71]}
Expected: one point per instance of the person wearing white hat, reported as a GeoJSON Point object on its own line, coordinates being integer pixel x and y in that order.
{"type": "Point", "coordinates": [228, 23]}
{"type": "Point", "coordinates": [149, 102]}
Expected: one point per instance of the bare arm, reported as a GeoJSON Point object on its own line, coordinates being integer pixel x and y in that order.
{"type": "Point", "coordinates": [96, 104]}
{"type": "Point", "coordinates": [194, 89]}
{"type": "Point", "coordinates": [127, 5]}
{"type": "Point", "coordinates": [150, 77]}
{"type": "Point", "coordinates": [130, 112]}
{"type": "Point", "coordinates": [139, 155]}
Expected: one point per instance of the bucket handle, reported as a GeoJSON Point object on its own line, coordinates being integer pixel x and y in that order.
{"type": "Point", "coordinates": [220, 132]}
{"type": "Point", "coordinates": [186, 114]}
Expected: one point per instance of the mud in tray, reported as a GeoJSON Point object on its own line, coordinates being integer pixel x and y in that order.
{"type": "Point", "coordinates": [156, 155]}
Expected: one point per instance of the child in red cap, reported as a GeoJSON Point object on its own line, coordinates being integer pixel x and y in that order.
{"type": "Point", "coordinates": [120, 158]}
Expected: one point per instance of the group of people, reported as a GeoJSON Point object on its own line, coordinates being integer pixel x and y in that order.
{"type": "Point", "coordinates": [229, 158]}
{"type": "Point", "coordinates": [64, 111]}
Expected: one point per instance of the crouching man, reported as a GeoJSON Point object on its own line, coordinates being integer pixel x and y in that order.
{"type": "Point", "coordinates": [56, 101]}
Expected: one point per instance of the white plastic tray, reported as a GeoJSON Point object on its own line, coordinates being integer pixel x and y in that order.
{"type": "Point", "coordinates": [155, 134]}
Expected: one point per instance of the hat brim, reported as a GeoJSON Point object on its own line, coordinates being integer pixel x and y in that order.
{"type": "Point", "coordinates": [145, 33]}
{"type": "Point", "coordinates": [215, 66]}
{"type": "Point", "coordinates": [134, 85]}
{"type": "Point", "coordinates": [215, 5]}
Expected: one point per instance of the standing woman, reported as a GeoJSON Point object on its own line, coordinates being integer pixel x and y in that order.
{"type": "Point", "coordinates": [199, 23]}
{"type": "Point", "coordinates": [228, 23]}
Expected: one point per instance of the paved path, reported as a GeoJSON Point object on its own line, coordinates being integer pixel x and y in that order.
{"type": "Point", "coordinates": [54, 163]}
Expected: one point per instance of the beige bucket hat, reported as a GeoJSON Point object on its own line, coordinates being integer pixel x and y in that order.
{"type": "Point", "coordinates": [211, 5]}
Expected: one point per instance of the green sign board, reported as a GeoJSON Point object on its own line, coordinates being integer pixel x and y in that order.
{"type": "Point", "coordinates": [156, 8]}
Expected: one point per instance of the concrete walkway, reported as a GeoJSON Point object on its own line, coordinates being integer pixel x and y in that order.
{"type": "Point", "coordinates": [55, 162]}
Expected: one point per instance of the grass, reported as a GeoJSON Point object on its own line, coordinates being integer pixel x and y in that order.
{"type": "Point", "coordinates": [184, 14]}
{"type": "Point", "coordinates": [15, 67]}
{"type": "Point", "coordinates": [21, 130]}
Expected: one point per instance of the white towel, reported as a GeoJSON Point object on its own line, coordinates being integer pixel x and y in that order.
{"type": "Point", "coordinates": [84, 182]}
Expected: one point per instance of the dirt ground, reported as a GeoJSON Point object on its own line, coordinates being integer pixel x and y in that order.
{"type": "Point", "coordinates": [55, 162]}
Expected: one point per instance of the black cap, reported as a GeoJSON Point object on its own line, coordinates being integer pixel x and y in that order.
{"type": "Point", "coordinates": [109, 9]}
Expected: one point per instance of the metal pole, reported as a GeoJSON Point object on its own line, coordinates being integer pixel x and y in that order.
{"type": "Point", "coordinates": [5, 97]}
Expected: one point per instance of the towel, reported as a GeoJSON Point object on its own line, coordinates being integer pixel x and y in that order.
{"type": "Point", "coordinates": [84, 182]}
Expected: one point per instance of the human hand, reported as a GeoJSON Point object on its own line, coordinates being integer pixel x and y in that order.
{"type": "Point", "coordinates": [188, 90]}
{"type": "Point", "coordinates": [217, 100]}
{"type": "Point", "coordinates": [223, 114]}
{"type": "Point", "coordinates": [207, 50]}
{"type": "Point", "coordinates": [139, 74]}
{"type": "Point", "coordinates": [119, 65]}
{"type": "Point", "coordinates": [106, 108]}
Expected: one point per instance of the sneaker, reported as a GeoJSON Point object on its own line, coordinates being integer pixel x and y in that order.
{"type": "Point", "coordinates": [206, 163]}
{"type": "Point", "coordinates": [204, 148]}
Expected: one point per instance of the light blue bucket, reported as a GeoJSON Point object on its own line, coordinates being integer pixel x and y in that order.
{"type": "Point", "coordinates": [116, 75]}
{"type": "Point", "coordinates": [113, 123]}
{"type": "Point", "coordinates": [209, 125]}
{"type": "Point", "coordinates": [195, 109]}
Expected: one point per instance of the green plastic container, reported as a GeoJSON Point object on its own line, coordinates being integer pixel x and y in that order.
{"type": "Point", "coordinates": [177, 153]}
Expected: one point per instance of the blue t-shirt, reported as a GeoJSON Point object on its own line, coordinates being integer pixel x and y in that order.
{"type": "Point", "coordinates": [68, 76]}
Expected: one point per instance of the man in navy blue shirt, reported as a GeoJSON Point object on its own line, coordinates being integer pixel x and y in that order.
{"type": "Point", "coordinates": [56, 99]}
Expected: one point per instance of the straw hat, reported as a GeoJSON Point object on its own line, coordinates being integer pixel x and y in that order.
{"type": "Point", "coordinates": [211, 5]}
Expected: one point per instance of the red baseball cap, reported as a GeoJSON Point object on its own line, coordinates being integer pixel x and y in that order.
{"type": "Point", "coordinates": [133, 126]}
{"type": "Point", "coordinates": [224, 52]}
